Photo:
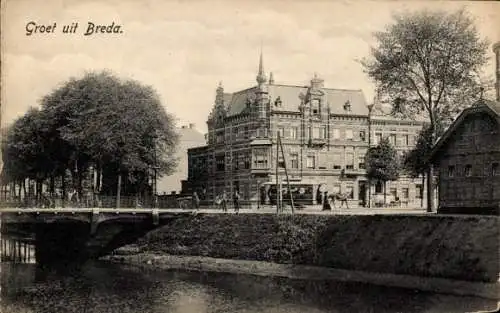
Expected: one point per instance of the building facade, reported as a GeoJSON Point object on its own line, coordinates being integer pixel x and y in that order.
{"type": "Point", "coordinates": [324, 134]}
{"type": "Point", "coordinates": [189, 137]}
{"type": "Point", "coordinates": [468, 159]}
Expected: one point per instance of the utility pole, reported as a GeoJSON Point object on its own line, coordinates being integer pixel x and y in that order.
{"type": "Point", "coordinates": [279, 197]}
{"type": "Point", "coordinates": [278, 189]}
{"type": "Point", "coordinates": [370, 110]}
{"type": "Point", "coordinates": [286, 174]}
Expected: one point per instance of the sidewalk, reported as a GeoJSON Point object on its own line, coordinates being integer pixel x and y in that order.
{"type": "Point", "coordinates": [317, 209]}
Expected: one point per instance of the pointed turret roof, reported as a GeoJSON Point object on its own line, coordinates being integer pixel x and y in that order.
{"type": "Point", "coordinates": [261, 76]}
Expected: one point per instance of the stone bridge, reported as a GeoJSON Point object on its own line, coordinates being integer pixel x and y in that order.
{"type": "Point", "coordinates": [65, 238]}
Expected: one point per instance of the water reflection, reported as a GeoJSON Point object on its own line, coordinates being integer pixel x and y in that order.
{"type": "Point", "coordinates": [111, 288]}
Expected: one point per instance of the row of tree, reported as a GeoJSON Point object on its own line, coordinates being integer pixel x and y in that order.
{"type": "Point", "coordinates": [97, 134]}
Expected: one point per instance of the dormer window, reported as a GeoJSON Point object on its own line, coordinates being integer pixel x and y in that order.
{"type": "Point", "coordinates": [347, 106]}
{"type": "Point", "coordinates": [277, 102]}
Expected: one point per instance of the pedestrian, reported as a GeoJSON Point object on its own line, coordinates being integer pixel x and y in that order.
{"type": "Point", "coordinates": [223, 202]}
{"type": "Point", "coordinates": [326, 202]}
{"type": "Point", "coordinates": [196, 201]}
{"type": "Point", "coordinates": [236, 201]}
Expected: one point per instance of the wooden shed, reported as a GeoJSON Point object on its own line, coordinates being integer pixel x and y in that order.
{"type": "Point", "coordinates": [467, 159]}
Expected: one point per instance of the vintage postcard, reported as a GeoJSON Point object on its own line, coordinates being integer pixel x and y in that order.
{"type": "Point", "coordinates": [249, 156]}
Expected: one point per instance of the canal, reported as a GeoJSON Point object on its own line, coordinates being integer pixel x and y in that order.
{"type": "Point", "coordinates": [103, 287]}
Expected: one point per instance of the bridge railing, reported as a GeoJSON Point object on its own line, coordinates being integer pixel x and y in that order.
{"type": "Point", "coordinates": [162, 202]}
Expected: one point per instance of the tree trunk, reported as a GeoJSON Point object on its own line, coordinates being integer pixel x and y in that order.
{"type": "Point", "coordinates": [63, 185]}
{"type": "Point", "coordinates": [385, 192]}
{"type": "Point", "coordinates": [422, 191]}
{"type": "Point", "coordinates": [118, 190]}
{"type": "Point", "coordinates": [430, 189]}
{"type": "Point", "coordinates": [24, 188]}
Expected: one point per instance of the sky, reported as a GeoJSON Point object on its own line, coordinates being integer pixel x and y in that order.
{"type": "Point", "coordinates": [185, 48]}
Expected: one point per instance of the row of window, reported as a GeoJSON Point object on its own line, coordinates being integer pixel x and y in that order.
{"type": "Point", "coordinates": [349, 134]}
{"type": "Point", "coordinates": [466, 170]}
{"type": "Point", "coordinates": [314, 133]}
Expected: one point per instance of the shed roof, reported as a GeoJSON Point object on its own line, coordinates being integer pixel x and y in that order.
{"type": "Point", "coordinates": [482, 105]}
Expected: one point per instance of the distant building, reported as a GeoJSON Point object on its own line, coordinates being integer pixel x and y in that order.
{"type": "Point", "coordinates": [325, 136]}
{"type": "Point", "coordinates": [189, 137]}
{"type": "Point", "coordinates": [496, 49]}
{"type": "Point", "coordinates": [468, 161]}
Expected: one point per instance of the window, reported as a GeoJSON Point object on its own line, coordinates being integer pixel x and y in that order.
{"type": "Point", "coordinates": [219, 160]}
{"type": "Point", "coordinates": [419, 191]}
{"type": "Point", "coordinates": [349, 159]}
{"type": "Point", "coordinates": [220, 137]}
{"type": "Point", "coordinates": [348, 134]}
{"type": "Point", "coordinates": [394, 193]}
{"type": "Point", "coordinates": [281, 131]}
{"type": "Point", "coordinates": [378, 187]}
{"type": "Point", "coordinates": [247, 161]}
{"type": "Point", "coordinates": [235, 133]}
{"type": "Point", "coordinates": [294, 160]}
{"type": "Point", "coordinates": [316, 132]}
{"type": "Point", "coordinates": [293, 133]}
{"type": "Point", "coordinates": [262, 132]}
{"type": "Point", "coordinates": [392, 139]}
{"type": "Point", "coordinates": [337, 160]}
{"type": "Point", "coordinates": [361, 160]}
{"type": "Point", "coordinates": [406, 193]}
{"type": "Point", "coordinates": [451, 171]}
{"type": "Point", "coordinates": [245, 132]}
{"type": "Point", "coordinates": [315, 106]}
{"type": "Point", "coordinates": [336, 133]}
{"type": "Point", "coordinates": [378, 138]}
{"type": "Point", "coordinates": [236, 161]}
{"type": "Point", "coordinates": [319, 132]}
{"type": "Point", "coordinates": [260, 158]}
{"type": "Point", "coordinates": [311, 161]}
{"type": "Point", "coordinates": [347, 106]}
{"type": "Point", "coordinates": [468, 170]}
{"type": "Point", "coordinates": [362, 135]}
{"type": "Point", "coordinates": [494, 169]}
{"type": "Point", "coordinates": [406, 140]}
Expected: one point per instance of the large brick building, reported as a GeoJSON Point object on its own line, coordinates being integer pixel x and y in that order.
{"type": "Point", "coordinates": [325, 135]}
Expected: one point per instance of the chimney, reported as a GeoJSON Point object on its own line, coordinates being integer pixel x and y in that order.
{"type": "Point", "coordinates": [191, 125]}
{"type": "Point", "coordinates": [496, 49]}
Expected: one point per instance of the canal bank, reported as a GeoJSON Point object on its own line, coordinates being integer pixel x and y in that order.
{"type": "Point", "coordinates": [381, 249]}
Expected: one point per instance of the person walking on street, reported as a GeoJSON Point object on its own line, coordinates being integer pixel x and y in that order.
{"type": "Point", "coordinates": [223, 201]}
{"type": "Point", "coordinates": [236, 201]}
{"type": "Point", "coordinates": [196, 201]}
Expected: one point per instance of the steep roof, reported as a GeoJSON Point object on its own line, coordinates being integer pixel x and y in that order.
{"type": "Point", "coordinates": [289, 96]}
{"type": "Point", "coordinates": [483, 105]}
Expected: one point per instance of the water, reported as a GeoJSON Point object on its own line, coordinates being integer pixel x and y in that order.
{"type": "Point", "coordinates": [103, 288]}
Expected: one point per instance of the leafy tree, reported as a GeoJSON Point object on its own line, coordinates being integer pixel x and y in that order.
{"type": "Point", "coordinates": [382, 163]}
{"type": "Point", "coordinates": [428, 63]}
{"type": "Point", "coordinates": [98, 124]}
{"type": "Point", "coordinates": [416, 160]}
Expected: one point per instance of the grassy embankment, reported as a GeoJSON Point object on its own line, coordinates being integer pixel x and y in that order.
{"type": "Point", "coordinates": [464, 248]}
